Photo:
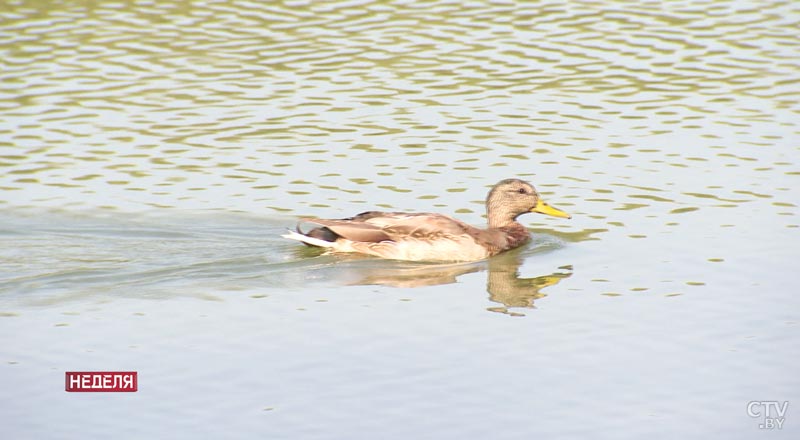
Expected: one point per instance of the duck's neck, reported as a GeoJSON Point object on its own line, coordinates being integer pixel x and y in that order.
{"type": "Point", "coordinates": [498, 215]}
{"type": "Point", "coordinates": [500, 221]}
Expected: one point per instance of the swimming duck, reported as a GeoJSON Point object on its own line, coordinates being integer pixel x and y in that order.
{"type": "Point", "coordinates": [432, 237]}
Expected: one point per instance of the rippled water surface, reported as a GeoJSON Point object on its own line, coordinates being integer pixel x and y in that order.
{"type": "Point", "coordinates": [152, 152]}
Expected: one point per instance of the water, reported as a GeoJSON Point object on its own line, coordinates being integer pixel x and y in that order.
{"type": "Point", "coordinates": [151, 153]}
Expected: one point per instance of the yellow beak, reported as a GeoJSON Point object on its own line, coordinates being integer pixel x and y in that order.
{"type": "Point", "coordinates": [543, 208]}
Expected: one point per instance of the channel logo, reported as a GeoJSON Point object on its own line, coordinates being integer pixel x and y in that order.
{"type": "Point", "coordinates": [101, 382]}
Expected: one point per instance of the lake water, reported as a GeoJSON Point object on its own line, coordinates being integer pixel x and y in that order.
{"type": "Point", "coordinates": [152, 152]}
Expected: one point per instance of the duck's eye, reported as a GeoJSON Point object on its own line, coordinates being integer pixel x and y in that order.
{"type": "Point", "coordinates": [522, 191]}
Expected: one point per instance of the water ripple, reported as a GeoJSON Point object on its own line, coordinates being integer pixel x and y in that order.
{"type": "Point", "coordinates": [328, 109]}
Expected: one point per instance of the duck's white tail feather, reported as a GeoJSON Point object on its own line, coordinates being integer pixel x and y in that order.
{"type": "Point", "coordinates": [292, 235]}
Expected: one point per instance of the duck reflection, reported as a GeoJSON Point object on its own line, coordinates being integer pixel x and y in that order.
{"type": "Point", "coordinates": [418, 274]}
{"type": "Point", "coordinates": [504, 284]}
{"type": "Point", "coordinates": [506, 287]}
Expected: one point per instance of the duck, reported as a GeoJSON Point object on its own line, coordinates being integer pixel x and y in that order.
{"type": "Point", "coordinates": [429, 236]}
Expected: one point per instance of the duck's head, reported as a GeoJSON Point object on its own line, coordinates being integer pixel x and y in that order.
{"type": "Point", "coordinates": [510, 198]}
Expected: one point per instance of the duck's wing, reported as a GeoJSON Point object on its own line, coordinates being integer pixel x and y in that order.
{"type": "Point", "coordinates": [351, 229]}
{"type": "Point", "coordinates": [423, 226]}
{"type": "Point", "coordinates": [376, 226]}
